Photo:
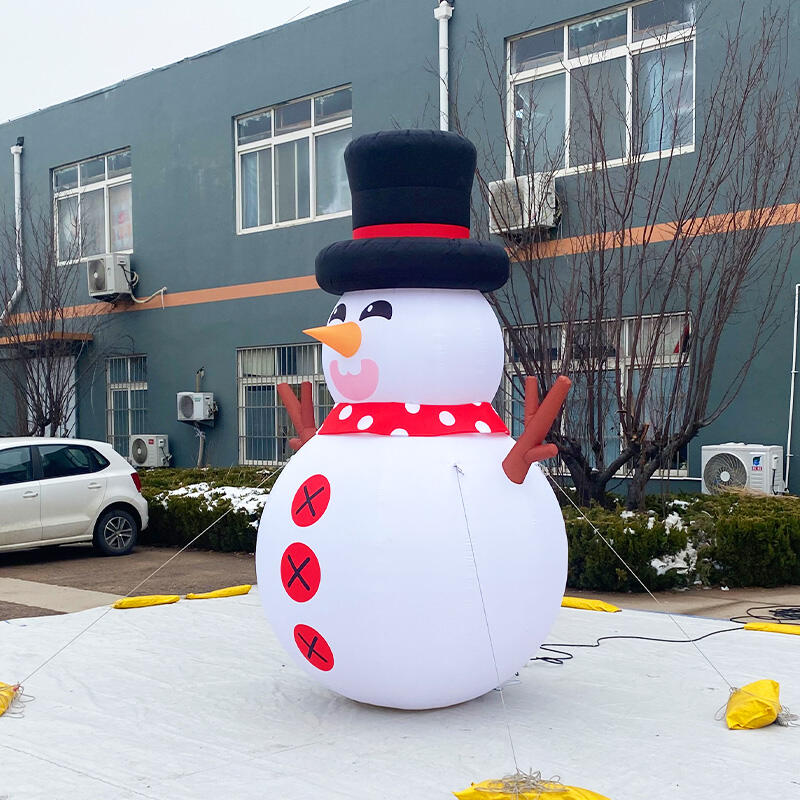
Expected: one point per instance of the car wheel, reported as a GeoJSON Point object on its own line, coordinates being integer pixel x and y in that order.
{"type": "Point", "coordinates": [116, 532]}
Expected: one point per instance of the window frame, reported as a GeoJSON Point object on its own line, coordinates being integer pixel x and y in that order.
{"type": "Point", "coordinates": [105, 184]}
{"type": "Point", "coordinates": [507, 397]}
{"type": "Point", "coordinates": [243, 382]}
{"type": "Point", "coordinates": [311, 133]}
{"type": "Point", "coordinates": [565, 65]}
{"type": "Point", "coordinates": [127, 386]}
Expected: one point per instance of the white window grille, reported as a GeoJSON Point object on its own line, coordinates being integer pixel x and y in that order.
{"type": "Point", "coordinates": [630, 70]}
{"type": "Point", "coordinates": [659, 341]}
{"type": "Point", "coordinates": [126, 400]}
{"type": "Point", "coordinates": [289, 164]}
{"type": "Point", "coordinates": [264, 424]}
{"type": "Point", "coordinates": [93, 208]}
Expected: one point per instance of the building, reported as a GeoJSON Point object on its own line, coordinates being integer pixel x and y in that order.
{"type": "Point", "coordinates": [221, 177]}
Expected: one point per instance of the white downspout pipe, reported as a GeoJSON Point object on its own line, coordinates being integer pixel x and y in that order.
{"type": "Point", "coordinates": [16, 151]}
{"type": "Point", "coordinates": [791, 387]}
{"type": "Point", "coordinates": [443, 13]}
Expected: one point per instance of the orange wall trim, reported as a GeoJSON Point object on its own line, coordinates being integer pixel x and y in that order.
{"type": "Point", "coordinates": [665, 231]}
{"type": "Point", "coordinates": [238, 291]}
{"type": "Point", "coordinates": [60, 336]}
{"type": "Point", "coordinates": [662, 232]}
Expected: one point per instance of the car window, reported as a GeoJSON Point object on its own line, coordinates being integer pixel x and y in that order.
{"type": "Point", "coordinates": [15, 465]}
{"type": "Point", "coordinates": [61, 460]}
{"type": "Point", "coordinates": [99, 462]}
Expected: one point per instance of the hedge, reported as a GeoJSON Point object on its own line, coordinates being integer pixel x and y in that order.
{"type": "Point", "coordinates": [747, 540]}
{"type": "Point", "coordinates": [176, 519]}
{"type": "Point", "coordinates": [732, 539]}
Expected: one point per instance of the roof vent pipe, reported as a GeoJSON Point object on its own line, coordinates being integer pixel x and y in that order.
{"type": "Point", "coordinates": [16, 151]}
{"type": "Point", "coordinates": [443, 13]}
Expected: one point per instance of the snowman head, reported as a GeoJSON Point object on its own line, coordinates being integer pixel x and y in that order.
{"type": "Point", "coordinates": [426, 346]}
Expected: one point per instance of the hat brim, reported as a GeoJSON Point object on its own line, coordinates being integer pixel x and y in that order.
{"type": "Point", "coordinates": [411, 263]}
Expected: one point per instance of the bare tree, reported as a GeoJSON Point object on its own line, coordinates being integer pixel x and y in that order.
{"type": "Point", "coordinates": [675, 217]}
{"type": "Point", "coordinates": [46, 338]}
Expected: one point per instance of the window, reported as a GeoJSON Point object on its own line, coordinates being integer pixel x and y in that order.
{"type": "Point", "coordinates": [264, 425]}
{"type": "Point", "coordinates": [15, 465]}
{"type": "Point", "coordinates": [659, 341]}
{"type": "Point", "coordinates": [92, 205]}
{"type": "Point", "coordinates": [289, 161]}
{"type": "Point", "coordinates": [60, 460]}
{"type": "Point", "coordinates": [605, 89]}
{"type": "Point", "coordinates": [126, 400]}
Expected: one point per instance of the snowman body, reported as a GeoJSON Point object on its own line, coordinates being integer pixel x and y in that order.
{"type": "Point", "coordinates": [407, 570]}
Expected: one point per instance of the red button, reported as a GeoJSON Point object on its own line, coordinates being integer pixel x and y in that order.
{"type": "Point", "coordinates": [313, 647]}
{"type": "Point", "coordinates": [311, 500]}
{"type": "Point", "coordinates": [300, 572]}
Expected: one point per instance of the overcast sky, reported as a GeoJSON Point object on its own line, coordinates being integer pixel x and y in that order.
{"type": "Point", "coordinates": [54, 50]}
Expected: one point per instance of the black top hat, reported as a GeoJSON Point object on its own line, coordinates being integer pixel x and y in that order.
{"type": "Point", "coordinates": [411, 192]}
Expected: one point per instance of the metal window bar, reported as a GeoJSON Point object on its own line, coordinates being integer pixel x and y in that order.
{"type": "Point", "coordinates": [264, 425]}
{"type": "Point", "coordinates": [671, 329]}
{"type": "Point", "coordinates": [126, 400]}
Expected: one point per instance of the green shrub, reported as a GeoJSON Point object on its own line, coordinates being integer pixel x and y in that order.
{"type": "Point", "coordinates": [638, 539]}
{"type": "Point", "coordinates": [175, 521]}
{"type": "Point", "coordinates": [159, 480]}
{"type": "Point", "coordinates": [751, 540]}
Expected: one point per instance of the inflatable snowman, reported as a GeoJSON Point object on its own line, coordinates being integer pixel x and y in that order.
{"type": "Point", "coordinates": [410, 554]}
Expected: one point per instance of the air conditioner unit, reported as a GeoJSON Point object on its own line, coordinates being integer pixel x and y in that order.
{"type": "Point", "coordinates": [734, 465]}
{"type": "Point", "coordinates": [524, 202]}
{"type": "Point", "coordinates": [196, 406]}
{"type": "Point", "coordinates": [109, 275]}
{"type": "Point", "coordinates": [149, 450]}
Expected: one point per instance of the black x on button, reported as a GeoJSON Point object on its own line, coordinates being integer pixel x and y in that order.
{"type": "Point", "coordinates": [311, 500]}
{"type": "Point", "coordinates": [313, 647]}
{"type": "Point", "coordinates": [300, 572]}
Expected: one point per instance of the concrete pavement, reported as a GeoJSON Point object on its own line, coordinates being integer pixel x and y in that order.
{"type": "Point", "coordinates": [44, 581]}
{"type": "Point", "coordinates": [52, 597]}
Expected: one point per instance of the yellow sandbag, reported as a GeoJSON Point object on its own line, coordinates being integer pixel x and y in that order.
{"type": "Point", "coordinates": [147, 600]}
{"type": "Point", "coordinates": [494, 790]}
{"type": "Point", "coordinates": [772, 627]}
{"type": "Point", "coordinates": [7, 695]}
{"type": "Point", "coordinates": [753, 706]}
{"type": "Point", "coordinates": [587, 605]}
{"type": "Point", "coordinates": [229, 591]}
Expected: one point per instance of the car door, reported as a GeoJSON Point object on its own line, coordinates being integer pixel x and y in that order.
{"type": "Point", "coordinates": [20, 498]}
{"type": "Point", "coordinates": [71, 488]}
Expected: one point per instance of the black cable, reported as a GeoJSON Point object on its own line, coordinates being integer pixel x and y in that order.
{"type": "Point", "coordinates": [777, 613]}
{"type": "Point", "coordinates": [564, 656]}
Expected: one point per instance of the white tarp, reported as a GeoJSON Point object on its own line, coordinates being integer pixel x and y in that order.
{"type": "Point", "coordinates": [196, 700]}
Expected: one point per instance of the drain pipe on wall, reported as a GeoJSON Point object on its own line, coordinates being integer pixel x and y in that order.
{"type": "Point", "coordinates": [443, 13]}
{"type": "Point", "coordinates": [791, 389]}
{"type": "Point", "coordinates": [16, 151]}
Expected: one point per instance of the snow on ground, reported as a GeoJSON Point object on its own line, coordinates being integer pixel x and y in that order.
{"type": "Point", "coordinates": [196, 700]}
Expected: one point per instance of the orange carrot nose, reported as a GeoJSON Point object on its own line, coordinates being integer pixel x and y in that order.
{"type": "Point", "coordinates": [344, 338]}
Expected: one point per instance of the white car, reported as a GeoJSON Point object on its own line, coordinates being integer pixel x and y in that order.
{"type": "Point", "coordinates": [59, 491]}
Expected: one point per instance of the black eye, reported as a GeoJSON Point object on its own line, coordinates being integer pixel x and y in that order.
{"type": "Point", "coordinates": [380, 308]}
{"type": "Point", "coordinates": [338, 313]}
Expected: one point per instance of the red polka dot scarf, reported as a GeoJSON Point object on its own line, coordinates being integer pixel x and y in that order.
{"type": "Point", "coordinates": [410, 419]}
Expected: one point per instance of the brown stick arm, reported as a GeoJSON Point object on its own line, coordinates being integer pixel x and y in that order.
{"type": "Point", "coordinates": [530, 448]}
{"type": "Point", "coordinates": [301, 412]}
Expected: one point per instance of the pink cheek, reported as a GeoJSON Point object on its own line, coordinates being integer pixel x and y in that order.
{"type": "Point", "coordinates": [357, 387]}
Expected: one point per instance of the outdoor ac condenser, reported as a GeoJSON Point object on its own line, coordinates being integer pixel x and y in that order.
{"type": "Point", "coordinates": [196, 406]}
{"type": "Point", "coordinates": [149, 450]}
{"type": "Point", "coordinates": [108, 275]}
{"type": "Point", "coordinates": [734, 465]}
{"type": "Point", "coordinates": [527, 201]}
